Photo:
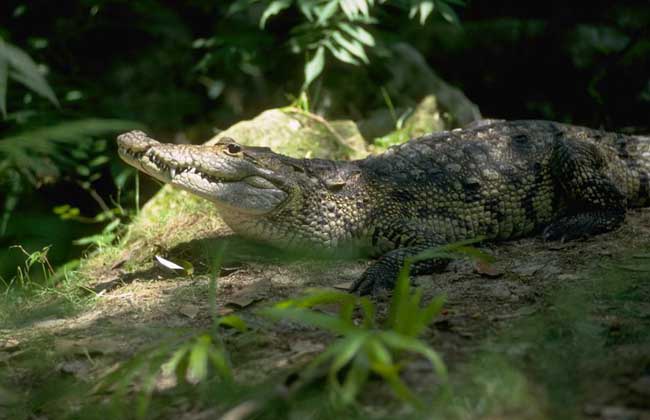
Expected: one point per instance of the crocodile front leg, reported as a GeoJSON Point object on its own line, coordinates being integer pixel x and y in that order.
{"type": "Point", "coordinates": [382, 274]}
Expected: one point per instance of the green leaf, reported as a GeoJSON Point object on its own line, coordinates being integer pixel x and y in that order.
{"type": "Point", "coordinates": [99, 160]}
{"type": "Point", "coordinates": [197, 370]}
{"type": "Point", "coordinates": [233, 321]}
{"type": "Point", "coordinates": [358, 33]}
{"type": "Point", "coordinates": [432, 310]}
{"type": "Point", "coordinates": [368, 308]}
{"type": "Point", "coordinates": [25, 71]}
{"type": "Point", "coordinates": [220, 362]}
{"type": "Point", "coordinates": [399, 300]}
{"type": "Point", "coordinates": [354, 8]}
{"type": "Point", "coordinates": [378, 354]}
{"type": "Point", "coordinates": [402, 342]}
{"type": "Point", "coordinates": [348, 349]}
{"type": "Point", "coordinates": [318, 297]}
{"type": "Point", "coordinates": [307, 8]}
{"type": "Point", "coordinates": [425, 9]}
{"type": "Point", "coordinates": [355, 379]}
{"type": "Point", "coordinates": [355, 47]}
{"type": "Point", "coordinates": [325, 12]}
{"type": "Point", "coordinates": [447, 12]}
{"type": "Point", "coordinates": [172, 364]}
{"type": "Point", "coordinates": [112, 225]}
{"type": "Point", "coordinates": [399, 387]}
{"type": "Point", "coordinates": [273, 9]}
{"type": "Point", "coordinates": [307, 317]}
{"type": "Point", "coordinates": [314, 67]}
{"type": "Point", "coordinates": [33, 152]}
{"type": "Point", "coordinates": [240, 6]}
{"type": "Point", "coordinates": [342, 54]}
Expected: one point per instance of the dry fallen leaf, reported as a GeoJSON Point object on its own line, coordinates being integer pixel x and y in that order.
{"type": "Point", "coordinates": [246, 297]}
{"type": "Point", "coordinates": [9, 344]}
{"type": "Point", "coordinates": [486, 269]}
{"type": "Point", "coordinates": [78, 367]}
{"type": "Point", "coordinates": [242, 301]}
{"type": "Point", "coordinates": [224, 311]}
{"type": "Point", "coordinates": [92, 346]}
{"type": "Point", "coordinates": [343, 286]}
{"type": "Point", "coordinates": [189, 310]}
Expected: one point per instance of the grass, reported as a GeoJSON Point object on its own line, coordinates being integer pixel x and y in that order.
{"type": "Point", "coordinates": [542, 365]}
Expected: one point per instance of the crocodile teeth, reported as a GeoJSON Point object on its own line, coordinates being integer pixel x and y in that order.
{"type": "Point", "coordinates": [172, 172]}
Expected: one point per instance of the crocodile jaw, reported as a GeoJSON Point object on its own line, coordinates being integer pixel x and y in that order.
{"type": "Point", "coordinates": [220, 183]}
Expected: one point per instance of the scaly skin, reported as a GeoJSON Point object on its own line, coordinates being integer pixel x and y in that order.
{"type": "Point", "coordinates": [497, 180]}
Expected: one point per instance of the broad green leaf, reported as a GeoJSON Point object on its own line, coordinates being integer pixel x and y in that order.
{"type": "Point", "coordinates": [144, 396]}
{"type": "Point", "coordinates": [25, 71]}
{"type": "Point", "coordinates": [431, 311]}
{"type": "Point", "coordinates": [378, 353]}
{"type": "Point", "coordinates": [99, 160]}
{"type": "Point", "coordinates": [233, 321]}
{"type": "Point", "coordinates": [425, 8]}
{"type": "Point", "coordinates": [349, 348]}
{"type": "Point", "coordinates": [353, 8]}
{"type": "Point", "coordinates": [220, 362]}
{"type": "Point", "coordinates": [318, 297]}
{"type": "Point", "coordinates": [368, 308]}
{"type": "Point", "coordinates": [307, 317]}
{"type": "Point", "coordinates": [240, 6]}
{"type": "Point", "coordinates": [325, 12]}
{"type": "Point", "coordinates": [399, 300]}
{"type": "Point", "coordinates": [401, 342]}
{"type": "Point", "coordinates": [358, 33]}
{"type": "Point", "coordinates": [447, 12]}
{"type": "Point", "coordinates": [355, 379]}
{"type": "Point", "coordinates": [307, 8]}
{"type": "Point", "coordinates": [33, 152]}
{"type": "Point", "coordinates": [342, 54]}
{"type": "Point", "coordinates": [314, 67]}
{"type": "Point", "coordinates": [273, 9]}
{"type": "Point", "coordinates": [112, 225]}
{"type": "Point", "coordinates": [197, 370]}
{"type": "Point", "coordinates": [174, 361]}
{"type": "Point", "coordinates": [400, 388]}
{"type": "Point", "coordinates": [354, 46]}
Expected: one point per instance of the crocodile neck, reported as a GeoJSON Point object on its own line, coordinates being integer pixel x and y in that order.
{"type": "Point", "coordinates": [320, 220]}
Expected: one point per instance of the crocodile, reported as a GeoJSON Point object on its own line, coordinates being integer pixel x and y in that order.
{"type": "Point", "coordinates": [496, 180]}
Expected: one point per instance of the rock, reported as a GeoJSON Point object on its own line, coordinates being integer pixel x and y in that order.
{"type": "Point", "coordinates": [412, 77]}
{"type": "Point", "coordinates": [298, 134]}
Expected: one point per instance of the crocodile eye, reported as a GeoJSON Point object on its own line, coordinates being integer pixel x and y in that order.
{"type": "Point", "coordinates": [233, 148]}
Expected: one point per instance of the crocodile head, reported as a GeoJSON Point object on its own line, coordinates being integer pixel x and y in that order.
{"type": "Point", "coordinates": [248, 180]}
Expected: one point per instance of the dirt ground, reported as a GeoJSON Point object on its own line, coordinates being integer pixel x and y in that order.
{"type": "Point", "coordinates": [551, 331]}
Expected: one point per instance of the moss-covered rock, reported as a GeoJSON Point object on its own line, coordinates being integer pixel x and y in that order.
{"type": "Point", "coordinates": [426, 118]}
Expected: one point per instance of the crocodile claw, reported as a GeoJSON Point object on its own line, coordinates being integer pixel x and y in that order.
{"type": "Point", "coordinates": [377, 279]}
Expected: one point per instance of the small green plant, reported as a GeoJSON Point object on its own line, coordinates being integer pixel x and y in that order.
{"type": "Point", "coordinates": [196, 360]}
{"type": "Point", "coordinates": [370, 347]}
{"type": "Point", "coordinates": [23, 273]}
{"type": "Point", "coordinates": [199, 359]}
{"type": "Point", "coordinates": [367, 347]}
